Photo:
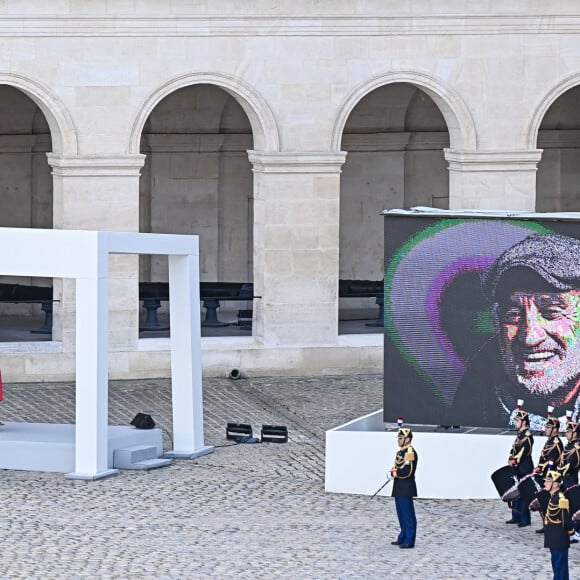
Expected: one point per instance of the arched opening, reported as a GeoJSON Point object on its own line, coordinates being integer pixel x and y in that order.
{"type": "Point", "coordinates": [197, 179]}
{"type": "Point", "coordinates": [558, 176]}
{"type": "Point", "coordinates": [26, 201]}
{"type": "Point", "coordinates": [394, 138]}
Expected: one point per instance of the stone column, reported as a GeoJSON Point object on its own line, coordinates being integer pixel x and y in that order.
{"type": "Point", "coordinates": [503, 180]}
{"type": "Point", "coordinates": [99, 193]}
{"type": "Point", "coordinates": [296, 227]}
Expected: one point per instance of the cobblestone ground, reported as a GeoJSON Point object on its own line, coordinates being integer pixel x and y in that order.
{"type": "Point", "coordinates": [245, 511]}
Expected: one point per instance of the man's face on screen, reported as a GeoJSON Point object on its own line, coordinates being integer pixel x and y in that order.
{"type": "Point", "coordinates": [540, 339]}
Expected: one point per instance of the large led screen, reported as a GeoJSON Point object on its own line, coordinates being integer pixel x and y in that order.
{"type": "Point", "coordinates": [480, 312]}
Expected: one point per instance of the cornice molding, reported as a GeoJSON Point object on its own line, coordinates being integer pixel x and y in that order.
{"type": "Point", "coordinates": [96, 165]}
{"type": "Point", "coordinates": [493, 160]}
{"type": "Point", "coordinates": [299, 162]}
{"type": "Point", "coordinates": [184, 26]}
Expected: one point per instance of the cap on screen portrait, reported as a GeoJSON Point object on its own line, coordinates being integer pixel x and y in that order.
{"type": "Point", "coordinates": [540, 262]}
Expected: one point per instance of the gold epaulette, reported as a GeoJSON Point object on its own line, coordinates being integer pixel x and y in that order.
{"type": "Point", "coordinates": [409, 454]}
{"type": "Point", "coordinates": [563, 502]}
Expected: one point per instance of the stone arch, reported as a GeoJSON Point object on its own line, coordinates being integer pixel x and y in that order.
{"type": "Point", "coordinates": [459, 121]}
{"type": "Point", "coordinates": [549, 99]}
{"type": "Point", "coordinates": [62, 129]}
{"type": "Point", "coordinates": [264, 126]}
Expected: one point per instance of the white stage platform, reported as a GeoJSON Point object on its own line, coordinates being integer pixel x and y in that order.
{"type": "Point", "coordinates": [452, 465]}
{"type": "Point", "coordinates": [51, 446]}
{"type": "Point", "coordinates": [83, 256]}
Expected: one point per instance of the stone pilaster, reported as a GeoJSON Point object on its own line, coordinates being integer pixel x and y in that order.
{"type": "Point", "coordinates": [498, 179]}
{"type": "Point", "coordinates": [99, 193]}
{"type": "Point", "coordinates": [296, 240]}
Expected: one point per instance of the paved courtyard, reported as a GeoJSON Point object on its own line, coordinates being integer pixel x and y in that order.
{"type": "Point", "coordinates": [245, 511]}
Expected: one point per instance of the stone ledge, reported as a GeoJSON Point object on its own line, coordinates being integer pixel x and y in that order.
{"type": "Point", "coordinates": [285, 25]}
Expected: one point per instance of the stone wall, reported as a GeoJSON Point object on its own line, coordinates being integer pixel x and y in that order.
{"type": "Point", "coordinates": [278, 132]}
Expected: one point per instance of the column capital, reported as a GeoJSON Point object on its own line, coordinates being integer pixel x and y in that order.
{"type": "Point", "coordinates": [96, 165]}
{"type": "Point", "coordinates": [493, 160]}
{"type": "Point", "coordinates": [297, 161]}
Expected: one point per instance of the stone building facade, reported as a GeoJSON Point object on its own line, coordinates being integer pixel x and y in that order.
{"type": "Point", "coordinates": [278, 132]}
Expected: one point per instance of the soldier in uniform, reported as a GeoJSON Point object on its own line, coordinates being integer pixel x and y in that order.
{"type": "Point", "coordinates": [405, 488]}
{"type": "Point", "coordinates": [559, 526]}
{"type": "Point", "coordinates": [552, 450]}
{"type": "Point", "coordinates": [570, 461]}
{"type": "Point", "coordinates": [520, 458]}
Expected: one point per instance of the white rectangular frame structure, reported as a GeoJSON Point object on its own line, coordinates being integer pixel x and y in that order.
{"type": "Point", "coordinates": [84, 257]}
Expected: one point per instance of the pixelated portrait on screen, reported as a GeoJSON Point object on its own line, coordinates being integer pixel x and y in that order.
{"type": "Point", "coordinates": [481, 312]}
